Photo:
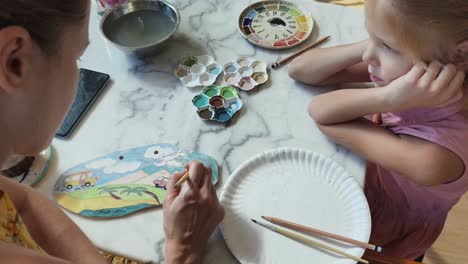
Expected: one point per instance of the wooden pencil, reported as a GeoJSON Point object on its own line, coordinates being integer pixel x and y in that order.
{"type": "Point", "coordinates": [182, 179]}
{"type": "Point", "coordinates": [313, 231]}
{"type": "Point", "coordinates": [308, 241]}
{"type": "Point", "coordinates": [313, 45]}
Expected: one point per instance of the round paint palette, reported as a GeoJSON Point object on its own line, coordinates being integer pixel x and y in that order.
{"type": "Point", "coordinates": [245, 73]}
{"type": "Point", "coordinates": [198, 71]}
{"type": "Point", "coordinates": [275, 24]}
{"type": "Point", "coordinates": [218, 103]}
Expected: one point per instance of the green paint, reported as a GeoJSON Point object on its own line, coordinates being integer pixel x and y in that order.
{"type": "Point", "coordinates": [283, 8]}
{"type": "Point", "coordinates": [229, 92]}
{"type": "Point", "coordinates": [189, 61]}
{"type": "Point", "coordinates": [294, 12]}
{"type": "Point", "coordinates": [211, 91]}
{"type": "Point", "coordinates": [200, 101]}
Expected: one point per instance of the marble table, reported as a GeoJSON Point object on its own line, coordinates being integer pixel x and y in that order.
{"type": "Point", "coordinates": [146, 104]}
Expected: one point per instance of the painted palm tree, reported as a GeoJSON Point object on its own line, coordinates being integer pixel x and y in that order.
{"type": "Point", "coordinates": [111, 191]}
{"type": "Point", "coordinates": [139, 191]}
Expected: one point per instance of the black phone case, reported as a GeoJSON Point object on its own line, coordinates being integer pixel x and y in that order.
{"type": "Point", "coordinates": [90, 85]}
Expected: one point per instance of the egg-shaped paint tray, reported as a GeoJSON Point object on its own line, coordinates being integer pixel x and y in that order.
{"type": "Point", "coordinates": [245, 73]}
{"type": "Point", "coordinates": [196, 71]}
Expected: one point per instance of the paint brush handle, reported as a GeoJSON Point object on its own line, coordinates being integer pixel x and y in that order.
{"type": "Point", "coordinates": [312, 231]}
{"type": "Point", "coordinates": [314, 243]}
{"type": "Point", "coordinates": [313, 45]}
{"type": "Point", "coordinates": [307, 241]}
{"type": "Point", "coordinates": [182, 179]}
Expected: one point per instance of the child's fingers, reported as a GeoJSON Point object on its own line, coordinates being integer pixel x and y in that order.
{"type": "Point", "coordinates": [431, 73]}
{"type": "Point", "coordinates": [415, 73]}
{"type": "Point", "coordinates": [455, 88]}
{"type": "Point", "coordinates": [445, 77]}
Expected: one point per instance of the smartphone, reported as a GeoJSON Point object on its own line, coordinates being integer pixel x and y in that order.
{"type": "Point", "coordinates": [90, 85]}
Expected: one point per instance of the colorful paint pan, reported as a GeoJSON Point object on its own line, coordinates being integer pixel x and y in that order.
{"type": "Point", "coordinates": [196, 71]}
{"type": "Point", "coordinates": [275, 24]}
{"type": "Point", "coordinates": [217, 103]}
{"type": "Point", "coordinates": [245, 73]}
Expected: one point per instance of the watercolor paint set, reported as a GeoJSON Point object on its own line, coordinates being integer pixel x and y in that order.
{"type": "Point", "coordinates": [245, 73]}
{"type": "Point", "coordinates": [196, 71]}
{"type": "Point", "coordinates": [220, 102]}
{"type": "Point", "coordinates": [217, 103]}
{"type": "Point", "coordinates": [275, 24]}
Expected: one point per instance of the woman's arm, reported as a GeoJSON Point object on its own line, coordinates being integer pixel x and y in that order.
{"type": "Point", "coordinates": [12, 254]}
{"type": "Point", "coordinates": [49, 226]}
{"type": "Point", "coordinates": [341, 64]}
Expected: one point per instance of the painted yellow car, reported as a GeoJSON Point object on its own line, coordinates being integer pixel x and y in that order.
{"type": "Point", "coordinates": [81, 179]}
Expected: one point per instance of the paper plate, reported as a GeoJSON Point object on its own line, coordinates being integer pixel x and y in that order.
{"type": "Point", "coordinates": [299, 186]}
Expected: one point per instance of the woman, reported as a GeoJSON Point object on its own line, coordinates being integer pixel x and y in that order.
{"type": "Point", "coordinates": [40, 42]}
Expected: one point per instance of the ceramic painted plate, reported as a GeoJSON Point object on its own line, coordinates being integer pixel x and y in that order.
{"type": "Point", "coordinates": [124, 182]}
{"type": "Point", "coordinates": [275, 24]}
{"type": "Point", "coordinates": [299, 186]}
{"type": "Point", "coordinates": [30, 170]}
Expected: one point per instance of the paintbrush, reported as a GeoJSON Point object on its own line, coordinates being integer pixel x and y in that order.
{"type": "Point", "coordinates": [313, 45]}
{"type": "Point", "coordinates": [308, 241]}
{"type": "Point", "coordinates": [312, 231]}
{"type": "Point", "coordinates": [182, 179]}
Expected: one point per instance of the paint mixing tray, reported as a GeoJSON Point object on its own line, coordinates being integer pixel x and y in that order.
{"type": "Point", "coordinates": [245, 73]}
{"type": "Point", "coordinates": [218, 103]}
{"type": "Point", "coordinates": [198, 71]}
{"type": "Point", "coordinates": [275, 24]}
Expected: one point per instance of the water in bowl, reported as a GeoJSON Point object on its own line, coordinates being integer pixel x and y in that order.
{"type": "Point", "coordinates": [141, 28]}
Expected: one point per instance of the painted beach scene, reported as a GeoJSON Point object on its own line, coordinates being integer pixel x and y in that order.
{"type": "Point", "coordinates": [124, 182]}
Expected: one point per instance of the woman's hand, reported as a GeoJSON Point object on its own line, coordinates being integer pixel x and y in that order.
{"type": "Point", "coordinates": [191, 213]}
{"type": "Point", "coordinates": [436, 86]}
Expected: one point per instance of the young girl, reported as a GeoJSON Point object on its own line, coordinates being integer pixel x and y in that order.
{"type": "Point", "coordinates": [40, 42]}
{"type": "Point", "coordinates": [417, 148]}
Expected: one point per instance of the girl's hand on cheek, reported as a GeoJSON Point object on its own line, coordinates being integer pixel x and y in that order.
{"type": "Point", "coordinates": [436, 86]}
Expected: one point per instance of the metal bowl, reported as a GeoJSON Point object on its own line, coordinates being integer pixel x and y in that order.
{"type": "Point", "coordinates": [108, 23]}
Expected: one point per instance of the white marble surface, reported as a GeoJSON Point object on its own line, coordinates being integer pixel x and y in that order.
{"type": "Point", "coordinates": [146, 104]}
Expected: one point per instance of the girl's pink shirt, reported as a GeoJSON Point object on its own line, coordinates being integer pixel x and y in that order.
{"type": "Point", "coordinates": [407, 218]}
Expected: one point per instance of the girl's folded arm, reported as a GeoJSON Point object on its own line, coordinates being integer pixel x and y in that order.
{"type": "Point", "coordinates": [341, 64]}
{"type": "Point", "coordinates": [421, 161]}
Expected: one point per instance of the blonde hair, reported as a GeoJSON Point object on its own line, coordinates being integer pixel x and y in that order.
{"type": "Point", "coordinates": [429, 29]}
{"type": "Point", "coordinates": [44, 20]}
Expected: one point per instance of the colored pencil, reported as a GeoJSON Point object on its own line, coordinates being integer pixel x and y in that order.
{"type": "Point", "coordinates": [308, 241]}
{"type": "Point", "coordinates": [313, 45]}
{"type": "Point", "coordinates": [312, 231]}
{"type": "Point", "coordinates": [182, 179]}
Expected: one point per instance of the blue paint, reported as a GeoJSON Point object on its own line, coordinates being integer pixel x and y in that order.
{"type": "Point", "coordinates": [215, 71]}
{"type": "Point", "coordinates": [231, 68]}
{"type": "Point", "coordinates": [112, 212]}
{"type": "Point", "coordinates": [247, 22]}
{"type": "Point", "coordinates": [223, 115]}
{"type": "Point", "coordinates": [251, 14]}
